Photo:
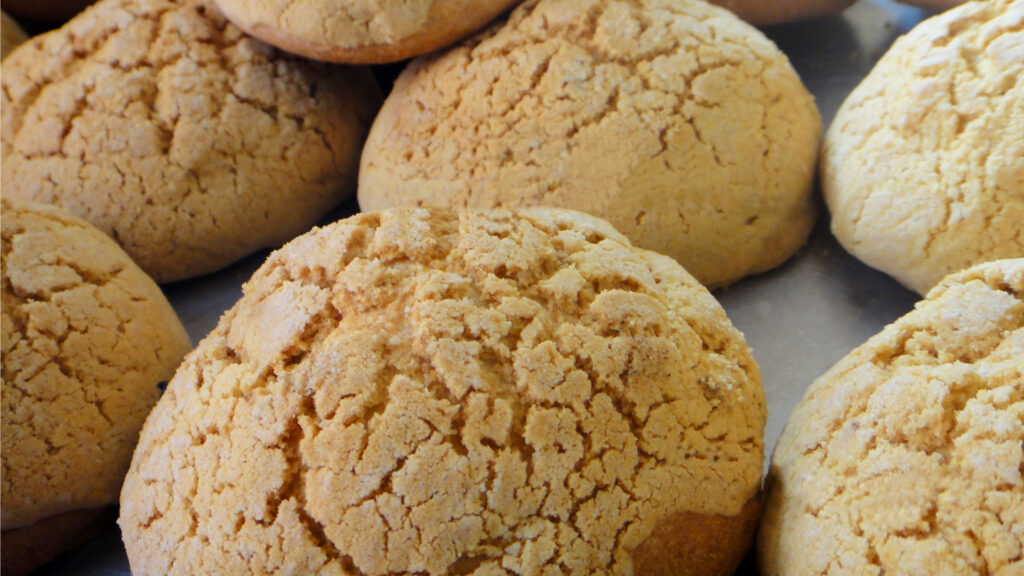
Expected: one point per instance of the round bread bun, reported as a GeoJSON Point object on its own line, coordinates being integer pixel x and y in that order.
{"type": "Point", "coordinates": [187, 141]}
{"type": "Point", "coordinates": [906, 456]}
{"type": "Point", "coordinates": [87, 337]}
{"type": "Point", "coordinates": [362, 31]}
{"type": "Point", "coordinates": [434, 392]}
{"type": "Point", "coordinates": [922, 168]}
{"type": "Point", "coordinates": [11, 35]}
{"type": "Point", "coordinates": [762, 12]}
{"type": "Point", "coordinates": [680, 124]}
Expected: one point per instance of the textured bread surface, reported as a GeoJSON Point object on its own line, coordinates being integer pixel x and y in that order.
{"type": "Point", "coordinates": [906, 457]}
{"type": "Point", "coordinates": [86, 338]}
{"type": "Point", "coordinates": [362, 31]}
{"type": "Point", "coordinates": [681, 125]}
{"type": "Point", "coordinates": [187, 141]}
{"type": "Point", "coordinates": [427, 392]}
{"type": "Point", "coordinates": [922, 168]}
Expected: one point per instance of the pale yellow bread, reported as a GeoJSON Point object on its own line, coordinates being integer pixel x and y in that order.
{"type": "Point", "coordinates": [439, 393]}
{"type": "Point", "coordinates": [189, 142]}
{"type": "Point", "coordinates": [87, 338]}
{"type": "Point", "coordinates": [906, 457]}
{"type": "Point", "coordinates": [680, 124]}
{"type": "Point", "coordinates": [923, 166]}
{"type": "Point", "coordinates": [362, 31]}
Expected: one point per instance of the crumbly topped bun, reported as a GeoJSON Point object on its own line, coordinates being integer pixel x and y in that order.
{"type": "Point", "coordinates": [187, 141]}
{"type": "Point", "coordinates": [923, 167]}
{"type": "Point", "coordinates": [362, 31]}
{"type": "Point", "coordinates": [428, 392]}
{"type": "Point", "coordinates": [906, 456]}
{"type": "Point", "coordinates": [87, 337]}
{"type": "Point", "coordinates": [680, 124]}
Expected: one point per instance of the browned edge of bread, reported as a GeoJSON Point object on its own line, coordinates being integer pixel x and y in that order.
{"type": "Point", "coordinates": [691, 544]}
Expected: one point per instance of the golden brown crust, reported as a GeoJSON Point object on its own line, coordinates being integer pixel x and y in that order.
{"type": "Point", "coordinates": [761, 12]}
{"type": "Point", "coordinates": [28, 547]}
{"type": "Point", "coordinates": [189, 142]}
{"type": "Point", "coordinates": [681, 125]}
{"type": "Point", "coordinates": [688, 544]}
{"type": "Point", "coordinates": [430, 392]}
{"type": "Point", "coordinates": [86, 338]}
{"type": "Point", "coordinates": [921, 168]}
{"type": "Point", "coordinates": [363, 32]}
{"type": "Point", "coordinates": [907, 456]}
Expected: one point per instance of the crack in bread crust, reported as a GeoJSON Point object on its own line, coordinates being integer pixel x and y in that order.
{"type": "Point", "coordinates": [426, 392]}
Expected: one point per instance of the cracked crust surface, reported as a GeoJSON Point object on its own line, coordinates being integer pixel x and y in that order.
{"type": "Point", "coordinates": [922, 167]}
{"type": "Point", "coordinates": [11, 35]}
{"type": "Point", "coordinates": [436, 393]}
{"type": "Point", "coordinates": [760, 12]}
{"type": "Point", "coordinates": [362, 31]}
{"type": "Point", "coordinates": [678, 123]}
{"type": "Point", "coordinates": [907, 456]}
{"type": "Point", "coordinates": [189, 142]}
{"type": "Point", "coordinates": [86, 338]}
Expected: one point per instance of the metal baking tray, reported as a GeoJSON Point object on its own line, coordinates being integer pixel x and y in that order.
{"type": "Point", "coordinates": [799, 318]}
